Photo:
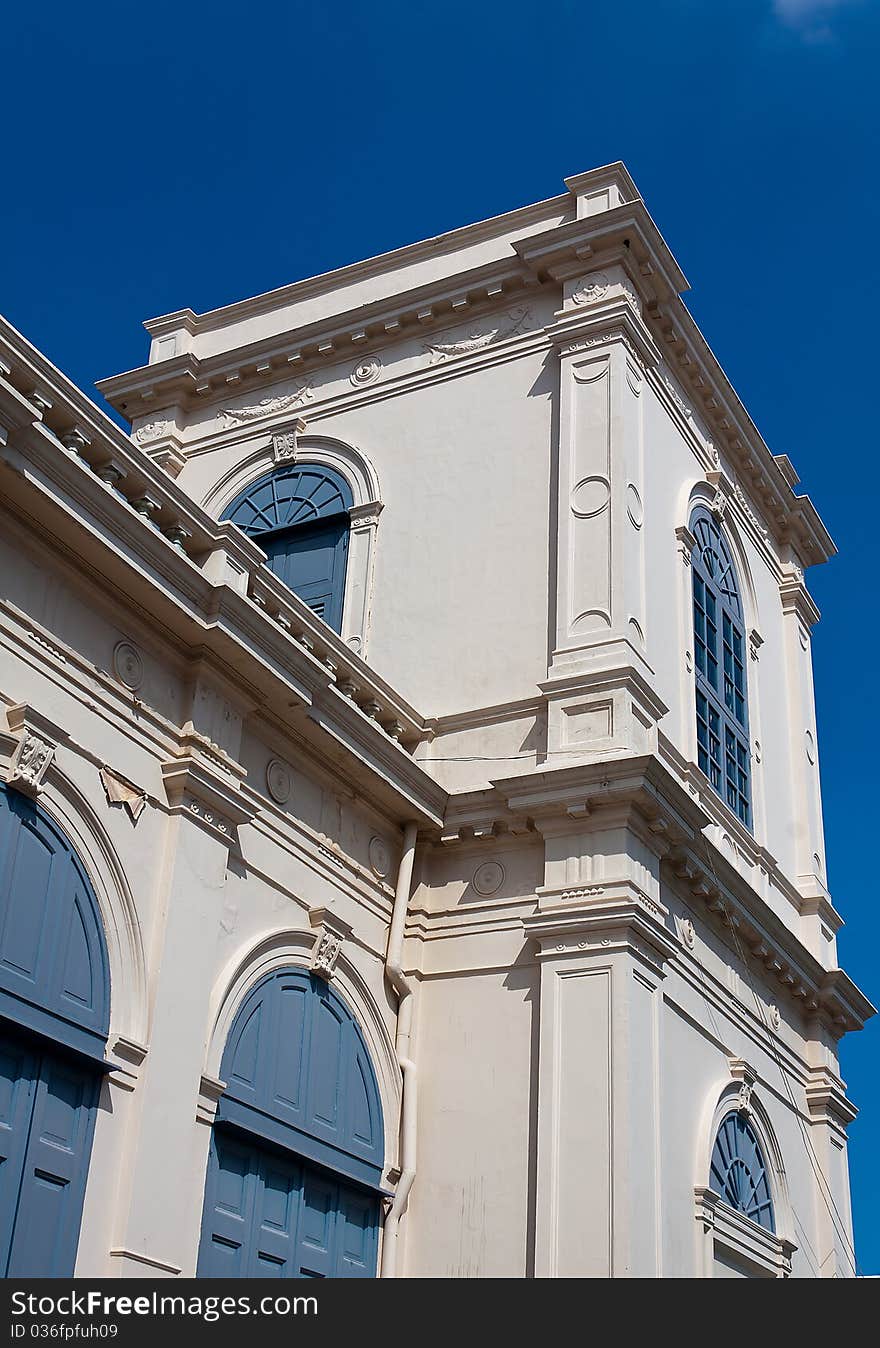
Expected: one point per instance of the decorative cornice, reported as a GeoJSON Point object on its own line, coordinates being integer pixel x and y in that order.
{"type": "Point", "coordinates": [826, 1099]}
{"type": "Point", "coordinates": [188, 380]}
{"type": "Point", "coordinates": [644, 794]}
{"type": "Point", "coordinates": [611, 227]}
{"type": "Point", "coordinates": [210, 591]}
{"type": "Point", "coordinates": [605, 925]}
{"type": "Point", "coordinates": [759, 935]}
{"type": "Point", "coordinates": [796, 598]}
{"type": "Point", "coordinates": [194, 787]}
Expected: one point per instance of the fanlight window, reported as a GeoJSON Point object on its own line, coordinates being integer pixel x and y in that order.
{"type": "Point", "coordinates": [719, 658]}
{"type": "Point", "coordinates": [299, 516]}
{"type": "Point", "coordinates": [738, 1172]}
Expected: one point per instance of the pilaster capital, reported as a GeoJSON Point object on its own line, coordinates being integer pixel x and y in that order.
{"type": "Point", "coordinates": [578, 330]}
{"type": "Point", "coordinates": [622, 919]}
{"type": "Point", "coordinates": [826, 1100]}
{"type": "Point", "coordinates": [194, 786]}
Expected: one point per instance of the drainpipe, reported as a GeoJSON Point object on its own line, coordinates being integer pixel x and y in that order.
{"type": "Point", "coordinates": [409, 1100]}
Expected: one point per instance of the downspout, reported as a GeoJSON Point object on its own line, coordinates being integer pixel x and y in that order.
{"type": "Point", "coordinates": [409, 1098]}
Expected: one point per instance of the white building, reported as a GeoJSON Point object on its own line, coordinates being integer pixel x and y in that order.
{"type": "Point", "coordinates": [445, 897]}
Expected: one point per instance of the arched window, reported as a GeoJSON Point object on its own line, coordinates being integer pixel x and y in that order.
{"type": "Point", "coordinates": [54, 1015]}
{"type": "Point", "coordinates": [299, 516]}
{"type": "Point", "coordinates": [738, 1172]}
{"type": "Point", "coordinates": [719, 658]}
{"type": "Point", "coordinates": [297, 1147]}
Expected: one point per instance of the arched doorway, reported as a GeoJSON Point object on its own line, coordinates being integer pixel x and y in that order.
{"type": "Point", "coordinates": [54, 1016]}
{"type": "Point", "coordinates": [293, 1187]}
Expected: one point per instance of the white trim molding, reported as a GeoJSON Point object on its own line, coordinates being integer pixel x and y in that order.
{"type": "Point", "coordinates": [758, 1252]}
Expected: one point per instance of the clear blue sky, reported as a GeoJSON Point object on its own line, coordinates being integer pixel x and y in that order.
{"type": "Point", "coordinates": [169, 155]}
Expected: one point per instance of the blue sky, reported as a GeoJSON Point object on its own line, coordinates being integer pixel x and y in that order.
{"type": "Point", "coordinates": [176, 155]}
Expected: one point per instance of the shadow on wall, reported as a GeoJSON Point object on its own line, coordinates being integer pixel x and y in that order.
{"type": "Point", "coordinates": [523, 978]}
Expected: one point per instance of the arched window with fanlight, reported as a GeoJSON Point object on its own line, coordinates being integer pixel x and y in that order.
{"type": "Point", "coordinates": [720, 667]}
{"type": "Point", "coordinates": [738, 1172]}
{"type": "Point", "coordinates": [299, 516]}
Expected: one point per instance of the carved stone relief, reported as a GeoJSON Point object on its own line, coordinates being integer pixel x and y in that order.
{"type": "Point", "coordinates": [30, 762]}
{"type": "Point", "coordinates": [270, 407]}
{"type": "Point", "coordinates": [511, 326]}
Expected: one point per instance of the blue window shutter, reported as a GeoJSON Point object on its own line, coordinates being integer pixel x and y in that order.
{"type": "Point", "coordinates": [297, 1073]}
{"type": "Point", "coordinates": [296, 1155]}
{"type": "Point", "coordinates": [55, 1168]}
{"type": "Point", "coordinates": [53, 961]}
{"type": "Point", "coordinates": [271, 1215]}
{"type": "Point", "coordinates": [229, 1209]}
{"type": "Point", "coordinates": [18, 1079]}
{"type": "Point", "coordinates": [311, 562]}
{"type": "Point", "coordinates": [54, 1012]}
{"type": "Point", "coordinates": [357, 1238]}
{"type": "Point", "coordinates": [299, 516]}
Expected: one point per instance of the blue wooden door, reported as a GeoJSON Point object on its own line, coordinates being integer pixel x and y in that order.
{"type": "Point", "coordinates": [296, 1156]}
{"type": "Point", "coordinates": [54, 1008]}
{"type": "Point", "coordinates": [311, 561]}
{"type": "Point", "coordinates": [18, 1076]}
{"type": "Point", "coordinates": [269, 1214]}
{"type": "Point", "coordinates": [47, 1103]}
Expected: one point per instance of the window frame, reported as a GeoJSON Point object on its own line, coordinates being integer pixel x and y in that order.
{"type": "Point", "coordinates": [761, 1178]}
{"type": "Point", "coordinates": [721, 693]}
{"type": "Point", "coordinates": [333, 515]}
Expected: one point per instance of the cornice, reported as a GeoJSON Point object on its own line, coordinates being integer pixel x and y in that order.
{"type": "Point", "coordinates": [767, 477]}
{"type": "Point", "coordinates": [627, 236]}
{"type": "Point", "coordinates": [195, 787]}
{"type": "Point", "coordinates": [648, 796]}
{"type": "Point", "coordinates": [328, 282]}
{"type": "Point", "coordinates": [709, 878]}
{"type": "Point", "coordinates": [796, 598]}
{"type": "Point", "coordinates": [827, 1102]}
{"type": "Point", "coordinates": [211, 594]}
{"type": "Point", "coordinates": [186, 380]}
{"type": "Point", "coordinates": [625, 233]}
{"type": "Point", "coordinates": [624, 921]}
{"type": "Point", "coordinates": [610, 181]}
{"type": "Point", "coordinates": [735, 1231]}
{"type": "Point", "coordinates": [568, 795]}
{"type": "Point", "coordinates": [621, 231]}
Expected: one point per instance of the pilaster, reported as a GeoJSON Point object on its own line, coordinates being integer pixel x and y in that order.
{"type": "Point", "coordinates": [205, 811]}
{"type": "Point", "coordinates": [799, 615]}
{"type": "Point", "coordinates": [599, 644]}
{"type": "Point", "coordinates": [830, 1113]}
{"type": "Point", "coordinates": [603, 938]}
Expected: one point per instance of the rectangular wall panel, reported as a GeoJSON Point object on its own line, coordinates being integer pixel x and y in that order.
{"type": "Point", "coordinates": [580, 1225]}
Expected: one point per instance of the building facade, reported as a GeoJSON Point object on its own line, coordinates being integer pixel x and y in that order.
{"type": "Point", "coordinates": [412, 852]}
